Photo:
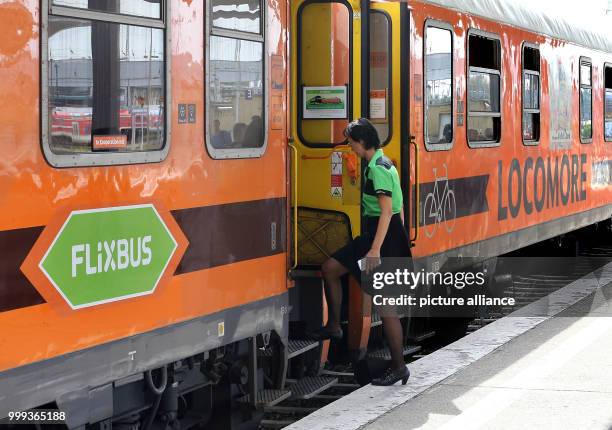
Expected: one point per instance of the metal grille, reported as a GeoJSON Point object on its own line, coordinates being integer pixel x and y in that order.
{"type": "Point", "coordinates": [310, 386]}
{"type": "Point", "coordinates": [298, 347]}
{"type": "Point", "coordinates": [267, 397]}
{"type": "Point", "coordinates": [384, 354]}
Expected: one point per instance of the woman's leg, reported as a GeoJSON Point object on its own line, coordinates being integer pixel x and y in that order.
{"type": "Point", "coordinates": [395, 339]}
{"type": "Point", "coordinates": [332, 271]}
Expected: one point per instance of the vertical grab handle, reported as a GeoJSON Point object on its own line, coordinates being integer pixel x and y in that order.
{"type": "Point", "coordinates": [294, 179]}
{"type": "Point", "coordinates": [416, 192]}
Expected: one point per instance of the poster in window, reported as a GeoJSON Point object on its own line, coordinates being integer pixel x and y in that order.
{"type": "Point", "coordinates": [378, 105]}
{"type": "Point", "coordinates": [324, 103]}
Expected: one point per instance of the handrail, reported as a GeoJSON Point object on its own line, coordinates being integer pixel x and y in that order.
{"type": "Point", "coordinates": [295, 202]}
{"type": "Point", "coordinates": [416, 188]}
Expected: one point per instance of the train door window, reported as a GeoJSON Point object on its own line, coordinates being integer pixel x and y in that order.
{"type": "Point", "coordinates": [104, 73]}
{"type": "Point", "coordinates": [380, 74]}
{"type": "Point", "coordinates": [608, 103]}
{"type": "Point", "coordinates": [484, 89]}
{"type": "Point", "coordinates": [531, 95]}
{"type": "Point", "coordinates": [236, 126]}
{"type": "Point", "coordinates": [586, 100]}
{"type": "Point", "coordinates": [438, 65]}
{"type": "Point", "coordinates": [324, 72]}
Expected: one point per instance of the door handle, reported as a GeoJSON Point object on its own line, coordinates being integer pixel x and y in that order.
{"type": "Point", "coordinates": [416, 190]}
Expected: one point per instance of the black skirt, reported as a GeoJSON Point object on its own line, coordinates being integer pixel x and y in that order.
{"type": "Point", "coordinates": [396, 244]}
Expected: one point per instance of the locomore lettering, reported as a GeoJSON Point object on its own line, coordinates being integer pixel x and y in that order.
{"type": "Point", "coordinates": [554, 181]}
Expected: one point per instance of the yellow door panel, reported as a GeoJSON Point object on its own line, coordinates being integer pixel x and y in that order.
{"type": "Point", "coordinates": [326, 88]}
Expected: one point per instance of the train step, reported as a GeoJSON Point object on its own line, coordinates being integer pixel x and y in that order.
{"type": "Point", "coordinates": [376, 320]}
{"type": "Point", "coordinates": [290, 410]}
{"type": "Point", "coordinates": [295, 347]}
{"type": "Point", "coordinates": [337, 374]}
{"type": "Point", "coordinates": [310, 386]}
{"type": "Point", "coordinates": [275, 424]}
{"type": "Point", "coordinates": [298, 347]}
{"type": "Point", "coordinates": [266, 398]}
{"type": "Point", "coordinates": [384, 354]}
{"type": "Point", "coordinates": [422, 337]}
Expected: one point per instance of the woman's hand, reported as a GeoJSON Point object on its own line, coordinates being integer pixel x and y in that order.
{"type": "Point", "coordinates": [372, 260]}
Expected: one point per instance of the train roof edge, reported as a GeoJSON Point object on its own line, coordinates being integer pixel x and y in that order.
{"type": "Point", "coordinates": [538, 21]}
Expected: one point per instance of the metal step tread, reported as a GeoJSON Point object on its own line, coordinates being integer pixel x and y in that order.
{"type": "Point", "coordinates": [375, 320]}
{"type": "Point", "coordinates": [297, 346]}
{"type": "Point", "coordinates": [267, 397]}
{"type": "Point", "coordinates": [276, 424]}
{"type": "Point", "coordinates": [421, 337]}
{"type": "Point", "coordinates": [384, 354]}
{"type": "Point", "coordinates": [290, 410]}
{"type": "Point", "coordinates": [338, 374]}
{"type": "Point", "coordinates": [310, 386]}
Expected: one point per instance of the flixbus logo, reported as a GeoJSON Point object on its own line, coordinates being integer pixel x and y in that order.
{"type": "Point", "coordinates": [104, 255]}
{"type": "Point", "coordinates": [119, 254]}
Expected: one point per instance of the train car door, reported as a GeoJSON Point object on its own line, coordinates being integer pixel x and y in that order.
{"type": "Point", "coordinates": [326, 64]}
{"type": "Point", "coordinates": [337, 76]}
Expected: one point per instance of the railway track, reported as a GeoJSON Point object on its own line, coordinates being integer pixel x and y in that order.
{"type": "Point", "coordinates": [524, 288]}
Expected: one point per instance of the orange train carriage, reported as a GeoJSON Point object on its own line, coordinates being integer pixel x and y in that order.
{"type": "Point", "coordinates": [130, 241]}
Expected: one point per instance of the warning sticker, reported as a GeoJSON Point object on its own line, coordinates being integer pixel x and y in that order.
{"type": "Point", "coordinates": [336, 157]}
{"type": "Point", "coordinates": [336, 181]}
{"type": "Point", "coordinates": [336, 174]}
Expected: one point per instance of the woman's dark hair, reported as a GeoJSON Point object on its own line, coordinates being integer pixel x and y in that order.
{"type": "Point", "coordinates": [363, 131]}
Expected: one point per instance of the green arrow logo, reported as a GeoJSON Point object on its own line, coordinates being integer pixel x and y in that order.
{"type": "Point", "coordinates": [109, 254]}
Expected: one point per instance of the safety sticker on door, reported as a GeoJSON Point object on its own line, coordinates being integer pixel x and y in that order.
{"type": "Point", "coordinates": [336, 174]}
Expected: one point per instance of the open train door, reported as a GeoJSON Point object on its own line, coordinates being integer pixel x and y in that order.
{"type": "Point", "coordinates": [327, 93]}
{"type": "Point", "coordinates": [338, 76]}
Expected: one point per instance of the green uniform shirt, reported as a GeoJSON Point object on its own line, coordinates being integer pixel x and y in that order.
{"type": "Point", "coordinates": [380, 178]}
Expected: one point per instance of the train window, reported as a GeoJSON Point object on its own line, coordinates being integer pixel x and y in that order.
{"type": "Point", "coordinates": [380, 74]}
{"type": "Point", "coordinates": [236, 96]}
{"type": "Point", "coordinates": [608, 103]}
{"type": "Point", "coordinates": [438, 86]}
{"type": "Point", "coordinates": [143, 8]}
{"type": "Point", "coordinates": [324, 72]}
{"type": "Point", "coordinates": [105, 83]}
{"type": "Point", "coordinates": [586, 101]}
{"type": "Point", "coordinates": [242, 15]}
{"type": "Point", "coordinates": [531, 95]}
{"type": "Point", "coordinates": [484, 90]}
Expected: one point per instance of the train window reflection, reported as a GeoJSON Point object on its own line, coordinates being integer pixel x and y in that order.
{"type": "Point", "coordinates": [586, 101]}
{"type": "Point", "coordinates": [380, 74]}
{"type": "Point", "coordinates": [484, 90]}
{"type": "Point", "coordinates": [608, 104]}
{"type": "Point", "coordinates": [143, 8]}
{"type": "Point", "coordinates": [438, 86]}
{"type": "Point", "coordinates": [238, 15]}
{"type": "Point", "coordinates": [236, 99]}
{"type": "Point", "coordinates": [106, 86]}
{"type": "Point", "coordinates": [324, 61]}
{"type": "Point", "coordinates": [531, 95]}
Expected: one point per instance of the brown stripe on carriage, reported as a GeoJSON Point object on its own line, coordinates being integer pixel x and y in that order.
{"type": "Point", "coordinates": [230, 233]}
{"type": "Point", "coordinates": [217, 235]}
{"type": "Point", "coordinates": [15, 289]}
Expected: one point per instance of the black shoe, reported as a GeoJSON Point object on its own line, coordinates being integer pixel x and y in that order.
{"type": "Point", "coordinates": [325, 333]}
{"type": "Point", "coordinates": [390, 377]}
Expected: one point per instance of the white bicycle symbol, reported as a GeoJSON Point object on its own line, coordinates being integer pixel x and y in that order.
{"type": "Point", "coordinates": [438, 207]}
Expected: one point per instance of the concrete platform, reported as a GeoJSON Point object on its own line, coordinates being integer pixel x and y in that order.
{"type": "Point", "coordinates": [547, 366]}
